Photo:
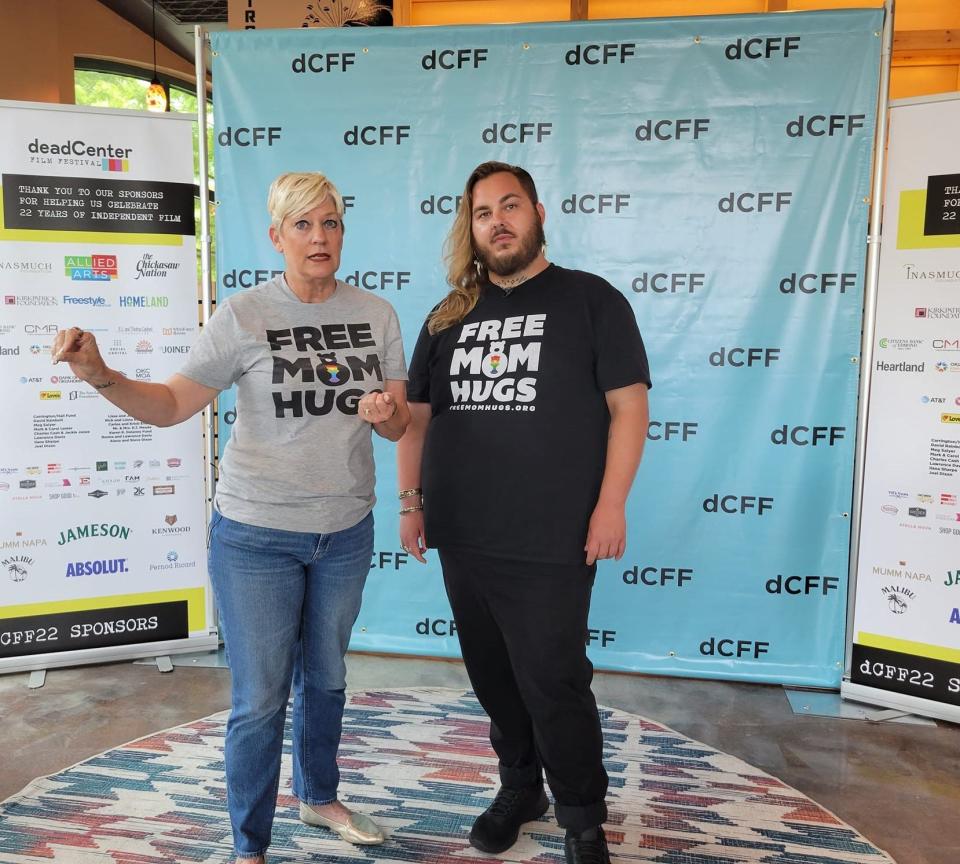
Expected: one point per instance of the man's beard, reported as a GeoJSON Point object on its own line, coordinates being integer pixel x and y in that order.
{"type": "Point", "coordinates": [530, 247]}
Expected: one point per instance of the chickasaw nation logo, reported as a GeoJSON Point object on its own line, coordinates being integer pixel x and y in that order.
{"type": "Point", "coordinates": [898, 599]}
{"type": "Point", "coordinates": [17, 567]}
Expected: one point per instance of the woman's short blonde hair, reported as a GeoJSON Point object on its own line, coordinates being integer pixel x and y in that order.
{"type": "Point", "coordinates": [297, 192]}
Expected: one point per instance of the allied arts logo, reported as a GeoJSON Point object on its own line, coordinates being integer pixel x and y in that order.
{"type": "Point", "coordinates": [91, 268]}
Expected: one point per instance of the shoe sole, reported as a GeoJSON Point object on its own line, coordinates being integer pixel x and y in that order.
{"type": "Point", "coordinates": [496, 850]}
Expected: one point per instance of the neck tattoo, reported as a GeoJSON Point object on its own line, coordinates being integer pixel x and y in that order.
{"type": "Point", "coordinates": [507, 285]}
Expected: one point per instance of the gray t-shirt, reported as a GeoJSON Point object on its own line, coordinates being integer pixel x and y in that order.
{"type": "Point", "coordinates": [299, 458]}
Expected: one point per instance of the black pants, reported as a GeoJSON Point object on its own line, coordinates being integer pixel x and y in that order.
{"type": "Point", "coordinates": [523, 629]}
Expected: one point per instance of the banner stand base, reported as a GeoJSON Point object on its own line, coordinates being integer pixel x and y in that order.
{"type": "Point", "coordinates": [214, 659]}
{"type": "Point", "coordinates": [820, 703]}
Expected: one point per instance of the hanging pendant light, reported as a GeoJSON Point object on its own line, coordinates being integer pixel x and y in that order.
{"type": "Point", "coordinates": [156, 92]}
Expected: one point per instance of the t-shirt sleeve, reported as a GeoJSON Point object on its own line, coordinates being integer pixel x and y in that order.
{"type": "Point", "coordinates": [418, 381]}
{"type": "Point", "coordinates": [621, 359]}
{"type": "Point", "coordinates": [394, 363]}
{"type": "Point", "coordinates": [215, 359]}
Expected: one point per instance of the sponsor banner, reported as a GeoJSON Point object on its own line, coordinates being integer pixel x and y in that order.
{"type": "Point", "coordinates": [736, 235]}
{"type": "Point", "coordinates": [80, 520]}
{"type": "Point", "coordinates": [910, 520]}
{"type": "Point", "coordinates": [907, 672]}
{"type": "Point", "coordinates": [93, 628]}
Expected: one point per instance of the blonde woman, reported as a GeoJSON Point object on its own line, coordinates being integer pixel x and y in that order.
{"type": "Point", "coordinates": [318, 366]}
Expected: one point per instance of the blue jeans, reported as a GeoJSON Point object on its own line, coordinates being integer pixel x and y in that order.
{"type": "Point", "coordinates": [287, 603]}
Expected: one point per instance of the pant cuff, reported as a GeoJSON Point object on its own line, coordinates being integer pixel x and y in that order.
{"type": "Point", "coordinates": [521, 778]}
{"type": "Point", "coordinates": [580, 817]}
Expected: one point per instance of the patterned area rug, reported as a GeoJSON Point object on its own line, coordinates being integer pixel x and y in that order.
{"type": "Point", "coordinates": [418, 761]}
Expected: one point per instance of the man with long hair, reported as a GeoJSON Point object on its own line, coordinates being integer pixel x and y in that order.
{"type": "Point", "coordinates": [528, 400]}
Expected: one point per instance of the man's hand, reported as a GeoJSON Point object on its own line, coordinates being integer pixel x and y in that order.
{"type": "Point", "coordinates": [607, 534]}
{"type": "Point", "coordinates": [412, 539]}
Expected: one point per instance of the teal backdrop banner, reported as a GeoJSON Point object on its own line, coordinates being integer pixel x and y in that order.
{"type": "Point", "coordinates": [715, 170]}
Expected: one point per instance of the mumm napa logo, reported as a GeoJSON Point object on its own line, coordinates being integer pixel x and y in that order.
{"type": "Point", "coordinates": [329, 367]}
{"type": "Point", "coordinates": [99, 529]}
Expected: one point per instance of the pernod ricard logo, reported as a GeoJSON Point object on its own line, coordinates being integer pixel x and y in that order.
{"type": "Point", "coordinates": [91, 268]}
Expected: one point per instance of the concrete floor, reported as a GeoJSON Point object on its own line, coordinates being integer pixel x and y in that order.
{"type": "Point", "coordinates": [898, 784]}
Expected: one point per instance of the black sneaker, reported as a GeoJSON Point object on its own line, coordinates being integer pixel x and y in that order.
{"type": "Point", "coordinates": [497, 828]}
{"type": "Point", "coordinates": [587, 847]}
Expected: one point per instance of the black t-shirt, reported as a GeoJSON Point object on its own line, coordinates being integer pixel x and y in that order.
{"type": "Point", "coordinates": [515, 450]}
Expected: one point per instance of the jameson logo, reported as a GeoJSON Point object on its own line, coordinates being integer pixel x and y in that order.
{"type": "Point", "coordinates": [149, 267]}
{"type": "Point", "coordinates": [492, 365]}
{"type": "Point", "coordinates": [330, 362]}
{"type": "Point", "coordinates": [99, 529]}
